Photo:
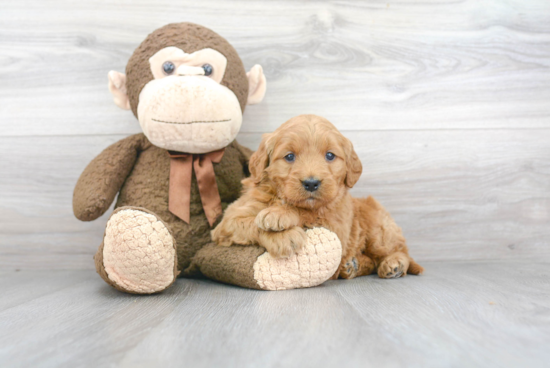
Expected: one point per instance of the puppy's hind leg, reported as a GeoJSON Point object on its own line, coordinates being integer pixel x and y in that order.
{"type": "Point", "coordinates": [397, 265]}
{"type": "Point", "coordinates": [359, 265]}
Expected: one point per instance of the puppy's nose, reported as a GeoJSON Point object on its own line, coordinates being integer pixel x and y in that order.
{"type": "Point", "coordinates": [311, 185]}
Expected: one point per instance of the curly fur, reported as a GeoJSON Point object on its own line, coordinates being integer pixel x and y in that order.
{"type": "Point", "coordinates": [275, 207]}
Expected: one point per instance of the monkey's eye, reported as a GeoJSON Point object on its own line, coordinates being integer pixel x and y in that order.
{"type": "Point", "coordinates": [168, 67]}
{"type": "Point", "coordinates": [290, 157]}
{"type": "Point", "coordinates": [207, 69]}
{"type": "Point", "coordinates": [330, 156]}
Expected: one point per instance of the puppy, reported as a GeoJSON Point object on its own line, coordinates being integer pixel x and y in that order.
{"type": "Point", "coordinates": [300, 178]}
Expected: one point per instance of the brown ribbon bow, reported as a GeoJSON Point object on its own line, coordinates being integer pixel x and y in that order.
{"type": "Point", "coordinates": [179, 195]}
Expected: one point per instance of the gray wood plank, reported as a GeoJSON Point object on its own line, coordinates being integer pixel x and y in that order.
{"type": "Point", "coordinates": [368, 65]}
{"type": "Point", "coordinates": [20, 287]}
{"type": "Point", "coordinates": [480, 314]}
{"type": "Point", "coordinates": [456, 194]}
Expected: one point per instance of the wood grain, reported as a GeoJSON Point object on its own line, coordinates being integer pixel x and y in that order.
{"type": "Point", "coordinates": [456, 315]}
{"type": "Point", "coordinates": [455, 194]}
{"type": "Point", "coordinates": [369, 65]}
{"type": "Point", "coordinates": [447, 103]}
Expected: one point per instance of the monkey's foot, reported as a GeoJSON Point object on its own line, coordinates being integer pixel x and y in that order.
{"type": "Point", "coordinates": [138, 254]}
{"type": "Point", "coordinates": [312, 265]}
{"type": "Point", "coordinates": [253, 267]}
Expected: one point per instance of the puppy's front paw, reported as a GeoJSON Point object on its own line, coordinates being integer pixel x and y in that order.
{"type": "Point", "coordinates": [219, 238]}
{"type": "Point", "coordinates": [282, 244]}
{"type": "Point", "coordinates": [276, 219]}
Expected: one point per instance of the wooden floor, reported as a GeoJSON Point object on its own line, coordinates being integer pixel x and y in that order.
{"type": "Point", "coordinates": [456, 315]}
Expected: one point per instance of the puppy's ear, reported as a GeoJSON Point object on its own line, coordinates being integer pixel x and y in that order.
{"type": "Point", "coordinates": [259, 160]}
{"type": "Point", "coordinates": [354, 166]}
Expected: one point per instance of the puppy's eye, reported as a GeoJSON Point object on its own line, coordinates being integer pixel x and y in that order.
{"type": "Point", "coordinates": [290, 157]}
{"type": "Point", "coordinates": [168, 67]}
{"type": "Point", "coordinates": [208, 69]}
{"type": "Point", "coordinates": [330, 156]}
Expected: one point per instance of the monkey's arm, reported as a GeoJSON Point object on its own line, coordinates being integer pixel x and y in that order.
{"type": "Point", "coordinates": [103, 177]}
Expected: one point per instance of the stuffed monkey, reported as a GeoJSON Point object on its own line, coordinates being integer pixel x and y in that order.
{"type": "Point", "coordinates": [188, 89]}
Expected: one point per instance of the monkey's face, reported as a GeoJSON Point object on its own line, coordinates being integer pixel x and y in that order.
{"type": "Point", "coordinates": [188, 88]}
{"type": "Point", "coordinates": [185, 108]}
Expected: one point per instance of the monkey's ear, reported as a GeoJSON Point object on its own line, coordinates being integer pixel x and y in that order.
{"type": "Point", "coordinates": [259, 160]}
{"type": "Point", "coordinates": [256, 85]}
{"type": "Point", "coordinates": [117, 87]}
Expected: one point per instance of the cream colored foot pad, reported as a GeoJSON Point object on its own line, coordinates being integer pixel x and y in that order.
{"type": "Point", "coordinates": [315, 263]}
{"type": "Point", "coordinates": [138, 253]}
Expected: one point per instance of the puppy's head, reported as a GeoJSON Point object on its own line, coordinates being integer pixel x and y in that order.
{"type": "Point", "coordinates": [307, 162]}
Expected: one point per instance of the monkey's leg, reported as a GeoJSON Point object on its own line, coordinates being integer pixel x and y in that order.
{"type": "Point", "coordinates": [253, 267]}
{"type": "Point", "coordinates": [138, 253]}
{"type": "Point", "coordinates": [358, 265]}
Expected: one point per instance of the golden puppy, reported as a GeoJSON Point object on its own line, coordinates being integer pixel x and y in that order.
{"type": "Point", "coordinates": [300, 177]}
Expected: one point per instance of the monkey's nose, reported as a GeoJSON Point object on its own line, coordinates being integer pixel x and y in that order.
{"type": "Point", "coordinates": [186, 70]}
{"type": "Point", "coordinates": [311, 185]}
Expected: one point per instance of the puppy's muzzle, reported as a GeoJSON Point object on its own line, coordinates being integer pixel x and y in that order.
{"type": "Point", "coordinates": [311, 185]}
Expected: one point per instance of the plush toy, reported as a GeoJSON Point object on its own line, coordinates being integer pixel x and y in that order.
{"type": "Point", "coordinates": [188, 88]}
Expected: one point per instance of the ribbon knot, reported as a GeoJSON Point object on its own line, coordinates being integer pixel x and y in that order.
{"type": "Point", "coordinates": [181, 172]}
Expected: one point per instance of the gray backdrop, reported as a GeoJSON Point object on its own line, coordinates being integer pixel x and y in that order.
{"type": "Point", "coordinates": [447, 104]}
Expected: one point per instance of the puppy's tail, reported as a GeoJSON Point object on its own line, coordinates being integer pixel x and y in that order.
{"type": "Point", "coordinates": [414, 268]}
